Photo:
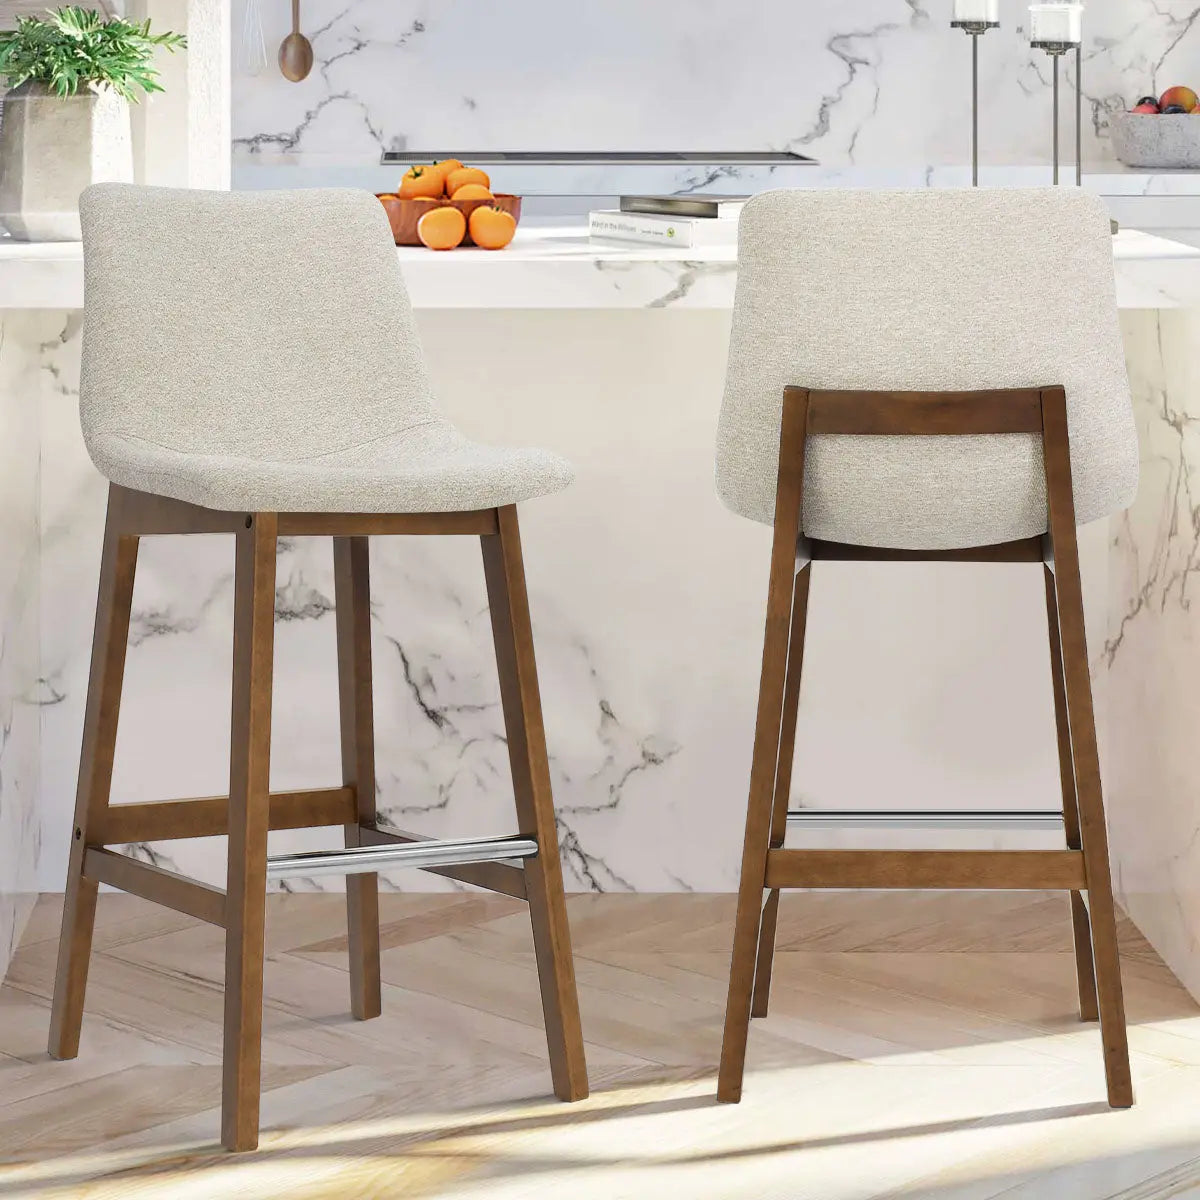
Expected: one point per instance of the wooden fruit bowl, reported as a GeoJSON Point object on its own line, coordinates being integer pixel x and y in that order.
{"type": "Point", "coordinates": [404, 214]}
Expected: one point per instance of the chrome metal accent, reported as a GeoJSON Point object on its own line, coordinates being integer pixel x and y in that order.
{"type": "Point", "coordinates": [358, 860]}
{"type": "Point", "coordinates": [558, 158]}
{"type": "Point", "coordinates": [974, 109]}
{"type": "Point", "coordinates": [1079, 115]}
{"type": "Point", "coordinates": [827, 818]}
{"type": "Point", "coordinates": [1056, 57]}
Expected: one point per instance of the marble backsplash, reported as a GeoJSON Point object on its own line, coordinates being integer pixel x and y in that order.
{"type": "Point", "coordinates": [873, 82]}
{"type": "Point", "coordinates": [442, 763]}
{"type": "Point", "coordinates": [1152, 652]}
{"type": "Point", "coordinates": [27, 341]}
{"type": "Point", "coordinates": [649, 730]}
{"type": "Point", "coordinates": [647, 603]}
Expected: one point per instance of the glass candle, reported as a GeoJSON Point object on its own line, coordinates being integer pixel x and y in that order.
{"type": "Point", "coordinates": [981, 12]}
{"type": "Point", "coordinates": [1061, 23]}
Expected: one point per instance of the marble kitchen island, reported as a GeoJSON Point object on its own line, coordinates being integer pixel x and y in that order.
{"type": "Point", "coordinates": [647, 599]}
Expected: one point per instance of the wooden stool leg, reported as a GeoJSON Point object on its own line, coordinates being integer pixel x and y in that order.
{"type": "Point", "coordinates": [513, 635]}
{"type": "Point", "coordinates": [766, 745]}
{"type": "Point", "coordinates": [249, 818]}
{"type": "Point", "coordinates": [352, 598]}
{"type": "Point", "coordinates": [783, 787]}
{"type": "Point", "coordinates": [118, 564]}
{"type": "Point", "coordinates": [1080, 925]}
{"type": "Point", "coordinates": [1077, 680]}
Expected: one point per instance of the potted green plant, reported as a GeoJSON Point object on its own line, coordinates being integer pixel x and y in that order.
{"type": "Point", "coordinates": [65, 123]}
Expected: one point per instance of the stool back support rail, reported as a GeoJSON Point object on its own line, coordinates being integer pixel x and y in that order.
{"type": "Point", "coordinates": [1082, 867]}
{"type": "Point", "coordinates": [525, 865]}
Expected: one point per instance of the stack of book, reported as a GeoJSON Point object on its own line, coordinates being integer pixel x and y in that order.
{"type": "Point", "coordinates": [695, 220]}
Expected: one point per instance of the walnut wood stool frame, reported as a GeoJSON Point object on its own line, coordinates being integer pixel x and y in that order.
{"type": "Point", "coordinates": [251, 810]}
{"type": "Point", "coordinates": [1081, 868]}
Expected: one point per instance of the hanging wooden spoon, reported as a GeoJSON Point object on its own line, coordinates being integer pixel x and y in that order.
{"type": "Point", "coordinates": [296, 52]}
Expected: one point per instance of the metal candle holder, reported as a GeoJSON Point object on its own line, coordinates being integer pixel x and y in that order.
{"type": "Point", "coordinates": [976, 29]}
{"type": "Point", "coordinates": [1056, 50]}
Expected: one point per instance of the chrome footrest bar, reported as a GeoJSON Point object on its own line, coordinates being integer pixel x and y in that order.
{"type": "Point", "coordinates": [817, 818]}
{"type": "Point", "coordinates": [359, 860]}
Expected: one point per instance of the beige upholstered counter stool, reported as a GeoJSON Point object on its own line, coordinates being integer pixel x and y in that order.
{"type": "Point", "coordinates": [251, 366]}
{"type": "Point", "coordinates": [933, 375]}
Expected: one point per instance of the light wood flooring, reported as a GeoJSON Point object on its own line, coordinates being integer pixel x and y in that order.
{"type": "Point", "coordinates": [918, 1046]}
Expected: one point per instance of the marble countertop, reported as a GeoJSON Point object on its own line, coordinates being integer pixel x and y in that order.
{"type": "Point", "coordinates": [559, 267]}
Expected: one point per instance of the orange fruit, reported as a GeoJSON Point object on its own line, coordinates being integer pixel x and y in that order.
{"type": "Point", "coordinates": [442, 228]}
{"type": "Point", "coordinates": [446, 166]}
{"type": "Point", "coordinates": [472, 191]}
{"type": "Point", "coordinates": [421, 181]}
{"type": "Point", "coordinates": [492, 228]}
{"type": "Point", "coordinates": [465, 175]}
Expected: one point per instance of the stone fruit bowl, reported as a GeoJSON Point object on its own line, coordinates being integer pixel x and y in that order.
{"type": "Point", "coordinates": [1158, 140]}
{"type": "Point", "coordinates": [404, 214]}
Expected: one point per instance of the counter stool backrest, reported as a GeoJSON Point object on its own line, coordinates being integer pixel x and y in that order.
{"type": "Point", "coordinates": [261, 325]}
{"type": "Point", "coordinates": [923, 291]}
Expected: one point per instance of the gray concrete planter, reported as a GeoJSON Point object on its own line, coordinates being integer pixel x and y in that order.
{"type": "Point", "coordinates": [50, 150]}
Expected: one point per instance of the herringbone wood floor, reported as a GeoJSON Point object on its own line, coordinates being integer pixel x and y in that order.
{"type": "Point", "coordinates": [920, 1046]}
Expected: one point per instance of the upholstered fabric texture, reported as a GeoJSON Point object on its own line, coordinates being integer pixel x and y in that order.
{"type": "Point", "coordinates": [928, 290]}
{"type": "Point", "coordinates": [257, 351]}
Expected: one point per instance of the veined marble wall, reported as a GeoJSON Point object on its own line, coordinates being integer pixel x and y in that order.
{"type": "Point", "coordinates": [1153, 647]}
{"type": "Point", "coordinates": [648, 601]}
{"type": "Point", "coordinates": [27, 342]}
{"type": "Point", "coordinates": [848, 81]}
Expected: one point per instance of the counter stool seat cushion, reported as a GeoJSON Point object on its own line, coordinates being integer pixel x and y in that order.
{"type": "Point", "coordinates": [258, 351]}
{"type": "Point", "coordinates": [428, 468]}
{"type": "Point", "coordinates": [932, 290]}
